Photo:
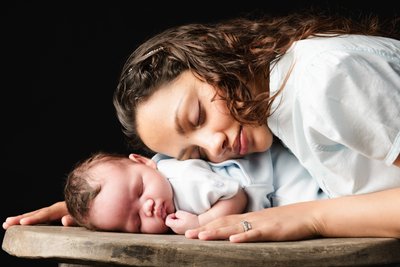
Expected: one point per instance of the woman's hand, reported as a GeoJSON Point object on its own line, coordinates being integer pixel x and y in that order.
{"type": "Point", "coordinates": [57, 211]}
{"type": "Point", "coordinates": [366, 215]}
{"type": "Point", "coordinates": [291, 222]}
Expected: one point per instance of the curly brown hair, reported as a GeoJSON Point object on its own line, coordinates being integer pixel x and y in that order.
{"type": "Point", "coordinates": [233, 56]}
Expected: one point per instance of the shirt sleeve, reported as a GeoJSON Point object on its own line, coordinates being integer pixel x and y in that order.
{"type": "Point", "coordinates": [357, 104]}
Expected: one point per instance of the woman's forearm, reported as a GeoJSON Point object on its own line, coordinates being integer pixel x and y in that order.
{"type": "Point", "coordinates": [369, 215]}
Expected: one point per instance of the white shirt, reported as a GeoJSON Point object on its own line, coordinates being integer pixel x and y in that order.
{"type": "Point", "coordinates": [339, 111]}
{"type": "Point", "coordinates": [270, 178]}
{"type": "Point", "coordinates": [198, 184]}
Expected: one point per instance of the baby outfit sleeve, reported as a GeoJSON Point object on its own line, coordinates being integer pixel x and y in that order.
{"type": "Point", "coordinates": [254, 172]}
{"type": "Point", "coordinates": [196, 187]}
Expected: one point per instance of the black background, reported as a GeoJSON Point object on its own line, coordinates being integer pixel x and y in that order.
{"type": "Point", "coordinates": [60, 63]}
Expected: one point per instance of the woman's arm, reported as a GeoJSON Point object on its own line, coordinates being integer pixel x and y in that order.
{"type": "Point", "coordinates": [368, 215]}
{"type": "Point", "coordinates": [57, 211]}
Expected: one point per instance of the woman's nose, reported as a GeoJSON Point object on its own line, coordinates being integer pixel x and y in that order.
{"type": "Point", "coordinates": [215, 145]}
{"type": "Point", "coordinates": [148, 207]}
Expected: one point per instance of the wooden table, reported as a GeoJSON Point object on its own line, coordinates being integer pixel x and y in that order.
{"type": "Point", "coordinates": [76, 245]}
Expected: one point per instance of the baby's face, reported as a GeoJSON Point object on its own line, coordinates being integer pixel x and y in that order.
{"type": "Point", "coordinates": [134, 198]}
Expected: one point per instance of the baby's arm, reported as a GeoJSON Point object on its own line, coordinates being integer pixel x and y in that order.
{"type": "Point", "coordinates": [233, 205]}
{"type": "Point", "coordinates": [181, 221]}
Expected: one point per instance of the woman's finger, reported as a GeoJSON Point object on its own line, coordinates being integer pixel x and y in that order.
{"type": "Point", "coordinates": [211, 226]}
{"type": "Point", "coordinates": [250, 236]}
{"type": "Point", "coordinates": [67, 220]}
{"type": "Point", "coordinates": [221, 233]}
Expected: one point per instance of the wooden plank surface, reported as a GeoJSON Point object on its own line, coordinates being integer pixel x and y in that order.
{"type": "Point", "coordinates": [79, 246]}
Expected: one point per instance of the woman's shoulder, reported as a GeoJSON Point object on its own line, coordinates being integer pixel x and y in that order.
{"type": "Point", "coordinates": [322, 60]}
{"type": "Point", "coordinates": [329, 69]}
{"type": "Point", "coordinates": [346, 44]}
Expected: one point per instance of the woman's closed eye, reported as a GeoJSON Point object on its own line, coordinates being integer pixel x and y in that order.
{"type": "Point", "coordinates": [199, 117]}
{"type": "Point", "coordinates": [196, 121]}
{"type": "Point", "coordinates": [200, 120]}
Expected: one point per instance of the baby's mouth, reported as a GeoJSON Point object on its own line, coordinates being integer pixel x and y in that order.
{"type": "Point", "coordinates": [161, 211]}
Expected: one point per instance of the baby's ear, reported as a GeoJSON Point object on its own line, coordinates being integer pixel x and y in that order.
{"type": "Point", "coordinates": [143, 160]}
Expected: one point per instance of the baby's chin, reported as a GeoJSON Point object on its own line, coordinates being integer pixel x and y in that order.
{"type": "Point", "coordinates": [162, 230]}
{"type": "Point", "coordinates": [159, 228]}
{"type": "Point", "coordinates": [165, 229]}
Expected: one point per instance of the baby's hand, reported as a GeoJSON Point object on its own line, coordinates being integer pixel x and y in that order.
{"type": "Point", "coordinates": [181, 221]}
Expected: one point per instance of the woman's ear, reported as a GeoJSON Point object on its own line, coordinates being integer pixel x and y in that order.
{"type": "Point", "coordinates": [143, 160]}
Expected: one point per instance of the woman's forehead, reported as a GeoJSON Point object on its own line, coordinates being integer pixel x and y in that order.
{"type": "Point", "coordinates": [156, 121]}
{"type": "Point", "coordinates": [156, 117]}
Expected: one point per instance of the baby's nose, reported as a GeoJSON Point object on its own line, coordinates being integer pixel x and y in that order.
{"type": "Point", "coordinates": [148, 207]}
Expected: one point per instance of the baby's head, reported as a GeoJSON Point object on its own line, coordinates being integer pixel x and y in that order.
{"type": "Point", "coordinates": [118, 193]}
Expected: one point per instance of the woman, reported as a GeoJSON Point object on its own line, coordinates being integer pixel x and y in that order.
{"type": "Point", "coordinates": [328, 88]}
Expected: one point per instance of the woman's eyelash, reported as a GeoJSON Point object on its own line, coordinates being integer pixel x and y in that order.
{"type": "Point", "coordinates": [200, 116]}
{"type": "Point", "coordinates": [201, 155]}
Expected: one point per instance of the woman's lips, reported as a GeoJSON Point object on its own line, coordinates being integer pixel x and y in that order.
{"type": "Point", "coordinates": [236, 144]}
{"type": "Point", "coordinates": [243, 142]}
{"type": "Point", "coordinates": [240, 146]}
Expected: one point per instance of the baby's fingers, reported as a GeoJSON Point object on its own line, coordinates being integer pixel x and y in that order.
{"type": "Point", "coordinates": [171, 219]}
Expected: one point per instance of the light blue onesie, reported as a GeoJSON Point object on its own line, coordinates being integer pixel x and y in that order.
{"type": "Point", "coordinates": [271, 178]}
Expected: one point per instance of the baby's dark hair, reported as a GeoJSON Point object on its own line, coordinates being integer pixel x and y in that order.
{"type": "Point", "coordinates": [81, 188]}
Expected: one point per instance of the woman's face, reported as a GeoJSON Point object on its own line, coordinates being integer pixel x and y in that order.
{"type": "Point", "coordinates": [182, 120]}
